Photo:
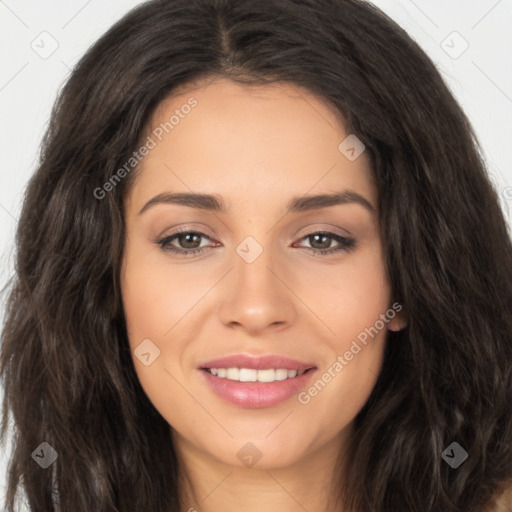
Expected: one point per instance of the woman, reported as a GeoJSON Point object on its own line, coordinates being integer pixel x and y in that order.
{"type": "Point", "coordinates": [337, 336]}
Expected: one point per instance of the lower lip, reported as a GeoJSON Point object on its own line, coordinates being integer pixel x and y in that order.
{"type": "Point", "coordinates": [257, 395]}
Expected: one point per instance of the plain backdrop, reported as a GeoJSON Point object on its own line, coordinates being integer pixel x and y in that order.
{"type": "Point", "coordinates": [469, 40]}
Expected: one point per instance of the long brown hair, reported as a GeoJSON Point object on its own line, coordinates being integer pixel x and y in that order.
{"type": "Point", "coordinates": [66, 366]}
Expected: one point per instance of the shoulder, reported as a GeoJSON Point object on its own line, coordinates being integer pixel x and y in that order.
{"type": "Point", "coordinates": [503, 502]}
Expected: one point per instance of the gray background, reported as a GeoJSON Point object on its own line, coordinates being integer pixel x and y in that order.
{"type": "Point", "coordinates": [479, 76]}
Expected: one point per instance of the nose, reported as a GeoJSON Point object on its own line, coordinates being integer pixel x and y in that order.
{"type": "Point", "coordinates": [256, 297]}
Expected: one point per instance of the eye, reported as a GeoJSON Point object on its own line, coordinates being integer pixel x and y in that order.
{"type": "Point", "coordinates": [323, 247]}
{"type": "Point", "coordinates": [190, 242]}
{"type": "Point", "coordinates": [187, 239]}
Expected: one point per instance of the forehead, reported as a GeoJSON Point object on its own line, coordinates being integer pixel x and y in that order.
{"type": "Point", "coordinates": [248, 142]}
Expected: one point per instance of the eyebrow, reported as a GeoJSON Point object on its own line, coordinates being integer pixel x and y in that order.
{"type": "Point", "coordinates": [215, 203]}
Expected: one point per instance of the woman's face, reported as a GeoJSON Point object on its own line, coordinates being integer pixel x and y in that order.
{"type": "Point", "coordinates": [257, 289]}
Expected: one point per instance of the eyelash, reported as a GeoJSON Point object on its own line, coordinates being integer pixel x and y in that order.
{"type": "Point", "coordinates": [346, 244]}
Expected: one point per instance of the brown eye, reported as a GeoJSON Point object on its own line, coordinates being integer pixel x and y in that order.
{"type": "Point", "coordinates": [320, 243]}
{"type": "Point", "coordinates": [188, 242]}
{"type": "Point", "coordinates": [315, 240]}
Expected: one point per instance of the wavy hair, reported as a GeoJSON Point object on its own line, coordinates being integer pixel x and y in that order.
{"type": "Point", "coordinates": [66, 366]}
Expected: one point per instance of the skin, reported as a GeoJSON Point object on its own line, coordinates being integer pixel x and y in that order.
{"type": "Point", "coordinates": [257, 147]}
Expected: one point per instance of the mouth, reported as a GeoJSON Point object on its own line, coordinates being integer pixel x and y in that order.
{"type": "Point", "coordinates": [256, 382]}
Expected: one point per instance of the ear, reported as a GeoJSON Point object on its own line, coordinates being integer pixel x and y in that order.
{"type": "Point", "coordinates": [398, 322]}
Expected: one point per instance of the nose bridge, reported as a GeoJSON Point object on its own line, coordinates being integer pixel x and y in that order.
{"type": "Point", "coordinates": [255, 297]}
{"type": "Point", "coordinates": [253, 263]}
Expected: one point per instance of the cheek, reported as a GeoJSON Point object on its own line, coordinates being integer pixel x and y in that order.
{"type": "Point", "coordinates": [149, 304]}
{"type": "Point", "coordinates": [351, 306]}
{"type": "Point", "coordinates": [154, 302]}
{"type": "Point", "coordinates": [348, 297]}
{"type": "Point", "coordinates": [156, 297]}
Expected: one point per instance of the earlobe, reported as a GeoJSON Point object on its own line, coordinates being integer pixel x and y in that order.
{"type": "Point", "coordinates": [398, 322]}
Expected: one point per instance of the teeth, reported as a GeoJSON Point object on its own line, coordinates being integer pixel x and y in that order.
{"type": "Point", "coordinates": [247, 375]}
{"type": "Point", "coordinates": [251, 375]}
{"type": "Point", "coordinates": [233, 374]}
{"type": "Point", "coordinates": [281, 374]}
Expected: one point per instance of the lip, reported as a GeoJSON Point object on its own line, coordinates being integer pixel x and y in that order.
{"type": "Point", "coordinates": [257, 395]}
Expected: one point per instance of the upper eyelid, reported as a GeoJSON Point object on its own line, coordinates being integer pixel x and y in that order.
{"type": "Point", "coordinates": [326, 229]}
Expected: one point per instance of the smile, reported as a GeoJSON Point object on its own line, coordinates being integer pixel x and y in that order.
{"type": "Point", "coordinates": [252, 375]}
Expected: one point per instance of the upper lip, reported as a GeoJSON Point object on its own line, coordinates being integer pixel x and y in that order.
{"type": "Point", "coordinates": [257, 362]}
